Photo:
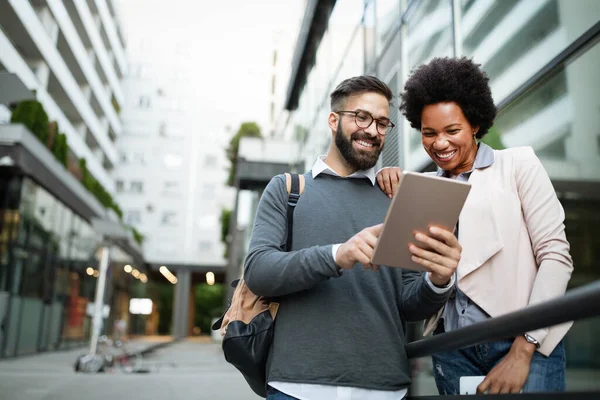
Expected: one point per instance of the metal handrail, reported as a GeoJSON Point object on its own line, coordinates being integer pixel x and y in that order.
{"type": "Point", "coordinates": [588, 395]}
{"type": "Point", "coordinates": [576, 304]}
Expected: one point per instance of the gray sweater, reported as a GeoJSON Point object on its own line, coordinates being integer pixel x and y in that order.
{"type": "Point", "coordinates": [332, 328]}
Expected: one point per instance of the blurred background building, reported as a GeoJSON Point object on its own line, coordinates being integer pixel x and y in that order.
{"type": "Point", "coordinates": [542, 57]}
{"type": "Point", "coordinates": [61, 65]}
{"type": "Point", "coordinates": [172, 165]}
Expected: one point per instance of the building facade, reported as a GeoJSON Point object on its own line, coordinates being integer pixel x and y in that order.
{"type": "Point", "coordinates": [542, 57]}
{"type": "Point", "coordinates": [69, 57]}
{"type": "Point", "coordinates": [172, 162]}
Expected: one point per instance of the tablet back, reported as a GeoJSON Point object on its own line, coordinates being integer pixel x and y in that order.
{"type": "Point", "coordinates": [421, 201]}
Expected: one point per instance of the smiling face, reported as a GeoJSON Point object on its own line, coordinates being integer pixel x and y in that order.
{"type": "Point", "coordinates": [448, 138]}
{"type": "Point", "coordinates": [358, 148]}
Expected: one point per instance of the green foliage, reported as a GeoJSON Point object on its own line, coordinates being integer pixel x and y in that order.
{"type": "Point", "coordinates": [116, 105]}
{"type": "Point", "coordinates": [225, 218]}
{"type": "Point", "coordinates": [31, 114]}
{"type": "Point", "coordinates": [95, 188]}
{"type": "Point", "coordinates": [209, 302]}
{"type": "Point", "coordinates": [493, 139]}
{"type": "Point", "coordinates": [247, 129]}
{"type": "Point", "coordinates": [165, 307]}
{"type": "Point", "coordinates": [60, 149]}
{"type": "Point", "coordinates": [139, 238]}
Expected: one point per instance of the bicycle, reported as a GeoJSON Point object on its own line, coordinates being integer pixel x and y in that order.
{"type": "Point", "coordinates": [116, 354]}
{"type": "Point", "coordinates": [110, 355]}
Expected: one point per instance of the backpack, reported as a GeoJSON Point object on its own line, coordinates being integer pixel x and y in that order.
{"type": "Point", "coordinates": [248, 323]}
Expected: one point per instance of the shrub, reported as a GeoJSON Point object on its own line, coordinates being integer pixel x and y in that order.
{"type": "Point", "coordinates": [31, 114]}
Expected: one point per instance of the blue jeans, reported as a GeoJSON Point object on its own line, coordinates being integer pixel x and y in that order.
{"type": "Point", "coordinates": [274, 394]}
{"type": "Point", "coordinates": [546, 374]}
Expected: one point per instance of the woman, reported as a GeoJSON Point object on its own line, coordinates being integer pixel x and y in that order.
{"type": "Point", "coordinates": [515, 252]}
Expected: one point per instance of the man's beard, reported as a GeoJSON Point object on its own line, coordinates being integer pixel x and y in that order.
{"type": "Point", "coordinates": [358, 160]}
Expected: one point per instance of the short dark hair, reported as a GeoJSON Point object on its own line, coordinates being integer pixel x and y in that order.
{"type": "Point", "coordinates": [358, 85]}
{"type": "Point", "coordinates": [457, 80]}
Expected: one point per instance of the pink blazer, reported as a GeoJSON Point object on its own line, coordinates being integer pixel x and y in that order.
{"type": "Point", "coordinates": [515, 252]}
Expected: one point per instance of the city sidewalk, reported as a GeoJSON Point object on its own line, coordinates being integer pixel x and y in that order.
{"type": "Point", "coordinates": [194, 368]}
{"type": "Point", "coordinates": [64, 360]}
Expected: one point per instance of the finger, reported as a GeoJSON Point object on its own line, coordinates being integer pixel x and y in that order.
{"type": "Point", "coordinates": [396, 181]}
{"type": "Point", "coordinates": [494, 387]}
{"type": "Point", "coordinates": [364, 253]}
{"type": "Point", "coordinates": [436, 260]}
{"type": "Point", "coordinates": [483, 386]}
{"type": "Point", "coordinates": [380, 181]}
{"type": "Point", "coordinates": [444, 235]}
{"type": "Point", "coordinates": [504, 389]}
{"type": "Point", "coordinates": [432, 244]}
{"type": "Point", "coordinates": [375, 230]}
{"type": "Point", "coordinates": [387, 181]}
{"type": "Point", "coordinates": [435, 269]}
{"type": "Point", "coordinates": [516, 389]}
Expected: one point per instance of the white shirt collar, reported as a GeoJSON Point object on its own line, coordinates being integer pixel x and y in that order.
{"type": "Point", "coordinates": [320, 167]}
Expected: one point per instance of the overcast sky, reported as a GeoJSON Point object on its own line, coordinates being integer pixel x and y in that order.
{"type": "Point", "coordinates": [227, 47]}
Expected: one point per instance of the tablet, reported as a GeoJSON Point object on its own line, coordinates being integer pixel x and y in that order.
{"type": "Point", "coordinates": [420, 202]}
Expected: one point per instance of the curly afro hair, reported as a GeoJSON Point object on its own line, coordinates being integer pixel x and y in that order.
{"type": "Point", "coordinates": [457, 80]}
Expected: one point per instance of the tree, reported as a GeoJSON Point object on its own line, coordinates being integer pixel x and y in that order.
{"type": "Point", "coordinates": [247, 129]}
{"type": "Point", "coordinates": [493, 139]}
{"type": "Point", "coordinates": [225, 218]}
{"type": "Point", "coordinates": [208, 304]}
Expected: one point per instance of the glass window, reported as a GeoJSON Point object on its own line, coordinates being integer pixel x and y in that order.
{"type": "Point", "coordinates": [133, 217]}
{"type": "Point", "coordinates": [560, 120]}
{"type": "Point", "coordinates": [429, 32]}
{"type": "Point", "coordinates": [169, 218]}
{"type": "Point", "coordinates": [353, 63]}
{"type": "Point", "coordinates": [513, 39]}
{"type": "Point", "coordinates": [388, 22]}
{"type": "Point", "coordinates": [65, 232]}
{"type": "Point", "coordinates": [33, 275]}
{"type": "Point", "coordinates": [345, 18]}
{"type": "Point", "coordinates": [136, 186]}
{"type": "Point", "coordinates": [144, 102]}
{"type": "Point", "coordinates": [120, 185]}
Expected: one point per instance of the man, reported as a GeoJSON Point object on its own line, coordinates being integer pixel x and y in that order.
{"type": "Point", "coordinates": [340, 330]}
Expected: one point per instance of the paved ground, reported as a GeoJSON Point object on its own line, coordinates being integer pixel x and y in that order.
{"type": "Point", "coordinates": [192, 369]}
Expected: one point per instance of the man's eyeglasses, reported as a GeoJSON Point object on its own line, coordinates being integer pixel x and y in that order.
{"type": "Point", "coordinates": [364, 120]}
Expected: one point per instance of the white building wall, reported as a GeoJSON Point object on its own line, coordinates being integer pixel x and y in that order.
{"type": "Point", "coordinates": [169, 145]}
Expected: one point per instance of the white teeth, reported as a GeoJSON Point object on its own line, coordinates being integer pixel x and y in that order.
{"type": "Point", "coordinates": [445, 155]}
{"type": "Point", "coordinates": [363, 143]}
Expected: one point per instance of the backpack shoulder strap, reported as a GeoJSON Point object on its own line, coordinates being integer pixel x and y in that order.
{"type": "Point", "coordinates": [295, 187]}
{"type": "Point", "coordinates": [289, 181]}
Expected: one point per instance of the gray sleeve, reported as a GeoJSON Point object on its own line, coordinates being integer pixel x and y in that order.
{"type": "Point", "coordinates": [270, 271]}
{"type": "Point", "coordinates": [418, 301]}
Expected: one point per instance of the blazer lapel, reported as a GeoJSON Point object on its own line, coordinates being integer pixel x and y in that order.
{"type": "Point", "coordinates": [478, 232]}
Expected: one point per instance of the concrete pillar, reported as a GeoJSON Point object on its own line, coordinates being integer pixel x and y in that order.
{"type": "Point", "coordinates": [181, 304]}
